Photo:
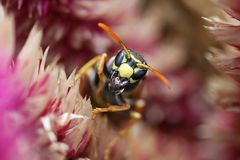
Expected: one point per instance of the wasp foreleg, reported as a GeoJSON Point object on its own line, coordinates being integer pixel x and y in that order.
{"type": "Point", "coordinates": [100, 68]}
{"type": "Point", "coordinates": [111, 108]}
{"type": "Point", "coordinates": [101, 61]}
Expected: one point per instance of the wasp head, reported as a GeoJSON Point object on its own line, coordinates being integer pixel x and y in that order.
{"type": "Point", "coordinates": [125, 72]}
{"type": "Point", "coordinates": [129, 64]}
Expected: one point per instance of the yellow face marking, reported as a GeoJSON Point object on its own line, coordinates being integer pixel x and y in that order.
{"type": "Point", "coordinates": [133, 81]}
{"type": "Point", "coordinates": [135, 59]}
{"type": "Point", "coordinates": [124, 60]}
{"type": "Point", "coordinates": [125, 70]}
{"type": "Point", "coordinates": [137, 69]}
{"type": "Point", "coordinates": [114, 67]}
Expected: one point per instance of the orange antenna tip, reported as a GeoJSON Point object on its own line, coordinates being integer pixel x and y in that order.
{"type": "Point", "coordinates": [109, 32]}
{"type": "Point", "coordinates": [159, 75]}
{"type": "Point", "coordinates": [114, 37]}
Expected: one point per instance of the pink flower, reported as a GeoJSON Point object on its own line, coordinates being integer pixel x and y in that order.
{"type": "Point", "coordinates": [227, 30]}
{"type": "Point", "coordinates": [38, 104]}
{"type": "Point", "coordinates": [220, 134]}
{"type": "Point", "coordinates": [176, 111]}
{"type": "Point", "coordinates": [70, 27]}
{"type": "Point", "coordinates": [232, 7]}
{"type": "Point", "coordinates": [220, 129]}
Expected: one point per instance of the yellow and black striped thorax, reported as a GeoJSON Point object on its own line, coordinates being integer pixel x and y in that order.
{"type": "Point", "coordinates": [128, 68]}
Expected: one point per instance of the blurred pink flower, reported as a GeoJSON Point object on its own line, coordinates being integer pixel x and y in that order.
{"type": "Point", "coordinates": [177, 111]}
{"type": "Point", "coordinates": [228, 29]}
{"type": "Point", "coordinates": [220, 134]}
{"type": "Point", "coordinates": [227, 63]}
{"type": "Point", "coordinates": [38, 104]}
{"type": "Point", "coordinates": [220, 129]}
{"type": "Point", "coordinates": [232, 7]}
{"type": "Point", "coordinates": [223, 126]}
{"type": "Point", "coordinates": [70, 27]}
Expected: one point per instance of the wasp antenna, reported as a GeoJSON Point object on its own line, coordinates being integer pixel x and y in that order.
{"type": "Point", "coordinates": [114, 37]}
{"type": "Point", "coordinates": [159, 75]}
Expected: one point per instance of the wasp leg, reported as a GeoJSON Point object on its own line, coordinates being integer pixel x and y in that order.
{"type": "Point", "coordinates": [111, 108]}
{"type": "Point", "coordinates": [100, 68]}
{"type": "Point", "coordinates": [100, 60]}
{"type": "Point", "coordinates": [135, 115]}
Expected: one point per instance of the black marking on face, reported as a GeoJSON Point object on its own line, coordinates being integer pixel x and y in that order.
{"type": "Point", "coordinates": [119, 58]}
{"type": "Point", "coordinates": [139, 74]}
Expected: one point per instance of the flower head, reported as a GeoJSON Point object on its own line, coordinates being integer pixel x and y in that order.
{"type": "Point", "coordinates": [227, 29]}
{"type": "Point", "coordinates": [38, 103]}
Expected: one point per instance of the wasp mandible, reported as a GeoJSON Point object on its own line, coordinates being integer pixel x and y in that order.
{"type": "Point", "coordinates": [114, 79]}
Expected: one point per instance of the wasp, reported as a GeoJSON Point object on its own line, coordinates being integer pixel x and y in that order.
{"type": "Point", "coordinates": [115, 80]}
